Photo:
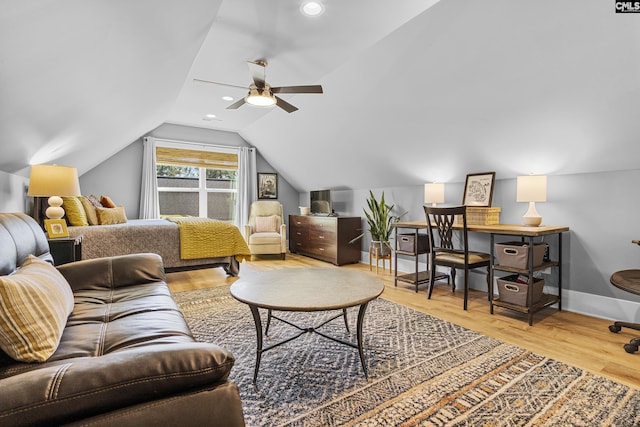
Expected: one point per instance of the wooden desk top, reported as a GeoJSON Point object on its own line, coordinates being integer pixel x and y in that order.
{"type": "Point", "coordinates": [508, 229]}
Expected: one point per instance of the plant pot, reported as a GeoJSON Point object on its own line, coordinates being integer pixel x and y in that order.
{"type": "Point", "coordinates": [384, 248]}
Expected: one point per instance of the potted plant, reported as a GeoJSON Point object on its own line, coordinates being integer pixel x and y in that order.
{"type": "Point", "coordinates": [380, 220]}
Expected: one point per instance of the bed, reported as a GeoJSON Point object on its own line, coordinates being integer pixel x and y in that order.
{"type": "Point", "coordinates": [163, 237]}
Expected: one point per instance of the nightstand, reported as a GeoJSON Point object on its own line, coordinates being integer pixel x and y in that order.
{"type": "Point", "coordinates": [65, 249]}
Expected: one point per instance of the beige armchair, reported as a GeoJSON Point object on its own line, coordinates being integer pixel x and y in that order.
{"type": "Point", "coordinates": [266, 232]}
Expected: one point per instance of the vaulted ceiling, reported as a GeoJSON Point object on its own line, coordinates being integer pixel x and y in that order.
{"type": "Point", "coordinates": [414, 91]}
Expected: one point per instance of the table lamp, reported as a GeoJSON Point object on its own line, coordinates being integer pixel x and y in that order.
{"type": "Point", "coordinates": [53, 181]}
{"type": "Point", "coordinates": [532, 189]}
{"type": "Point", "coordinates": [434, 193]}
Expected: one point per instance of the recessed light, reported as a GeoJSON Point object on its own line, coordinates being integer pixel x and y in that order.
{"type": "Point", "coordinates": [312, 8]}
{"type": "Point", "coordinates": [227, 98]}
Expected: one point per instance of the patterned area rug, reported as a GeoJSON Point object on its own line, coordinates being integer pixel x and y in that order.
{"type": "Point", "coordinates": [422, 371]}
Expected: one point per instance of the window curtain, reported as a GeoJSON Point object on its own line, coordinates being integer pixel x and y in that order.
{"type": "Point", "coordinates": [247, 183]}
{"type": "Point", "coordinates": [149, 202]}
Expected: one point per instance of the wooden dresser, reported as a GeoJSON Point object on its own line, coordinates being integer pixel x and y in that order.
{"type": "Point", "coordinates": [326, 237]}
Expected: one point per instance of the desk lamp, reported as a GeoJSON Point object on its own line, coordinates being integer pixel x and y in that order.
{"type": "Point", "coordinates": [532, 189]}
{"type": "Point", "coordinates": [53, 181]}
{"type": "Point", "coordinates": [434, 193]}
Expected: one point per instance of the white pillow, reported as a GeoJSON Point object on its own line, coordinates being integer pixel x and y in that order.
{"type": "Point", "coordinates": [266, 224]}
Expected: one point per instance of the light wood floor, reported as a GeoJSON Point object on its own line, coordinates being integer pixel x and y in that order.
{"type": "Point", "coordinates": [575, 339]}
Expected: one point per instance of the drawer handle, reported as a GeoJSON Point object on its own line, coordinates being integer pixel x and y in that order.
{"type": "Point", "coordinates": [321, 249]}
{"type": "Point", "coordinates": [404, 239]}
{"type": "Point", "coordinates": [512, 288]}
{"type": "Point", "coordinates": [298, 233]}
{"type": "Point", "coordinates": [510, 251]}
{"type": "Point", "coordinates": [321, 237]}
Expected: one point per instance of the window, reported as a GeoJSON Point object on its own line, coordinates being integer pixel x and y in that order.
{"type": "Point", "coordinates": [197, 183]}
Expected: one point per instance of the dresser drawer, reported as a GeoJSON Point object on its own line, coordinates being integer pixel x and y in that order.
{"type": "Point", "coordinates": [325, 252]}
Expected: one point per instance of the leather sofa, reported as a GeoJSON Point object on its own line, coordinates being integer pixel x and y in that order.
{"type": "Point", "coordinates": [126, 356]}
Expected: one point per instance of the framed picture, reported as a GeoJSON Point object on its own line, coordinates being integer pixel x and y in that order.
{"type": "Point", "coordinates": [267, 185]}
{"type": "Point", "coordinates": [478, 189]}
{"type": "Point", "coordinates": [56, 228]}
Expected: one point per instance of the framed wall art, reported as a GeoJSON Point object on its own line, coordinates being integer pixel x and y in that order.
{"type": "Point", "coordinates": [56, 228]}
{"type": "Point", "coordinates": [478, 189]}
{"type": "Point", "coordinates": [267, 185]}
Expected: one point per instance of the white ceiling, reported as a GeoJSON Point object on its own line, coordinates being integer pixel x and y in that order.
{"type": "Point", "coordinates": [415, 91]}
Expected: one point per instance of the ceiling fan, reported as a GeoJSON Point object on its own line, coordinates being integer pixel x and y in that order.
{"type": "Point", "coordinates": [263, 95]}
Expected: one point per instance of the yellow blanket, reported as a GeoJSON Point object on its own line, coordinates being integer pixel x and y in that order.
{"type": "Point", "coordinates": [210, 238]}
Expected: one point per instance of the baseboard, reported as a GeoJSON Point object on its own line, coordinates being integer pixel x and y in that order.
{"type": "Point", "coordinates": [576, 302]}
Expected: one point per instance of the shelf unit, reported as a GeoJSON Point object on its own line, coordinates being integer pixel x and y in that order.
{"type": "Point", "coordinates": [417, 277]}
{"type": "Point", "coordinates": [547, 299]}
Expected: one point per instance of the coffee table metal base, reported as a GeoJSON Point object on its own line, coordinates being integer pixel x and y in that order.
{"type": "Point", "coordinates": [260, 350]}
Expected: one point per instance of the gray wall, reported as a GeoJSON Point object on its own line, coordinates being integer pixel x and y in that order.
{"type": "Point", "coordinates": [13, 193]}
{"type": "Point", "coordinates": [601, 209]}
{"type": "Point", "coordinates": [121, 175]}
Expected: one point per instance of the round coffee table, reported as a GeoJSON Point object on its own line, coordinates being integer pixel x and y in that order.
{"type": "Point", "coordinates": [307, 290]}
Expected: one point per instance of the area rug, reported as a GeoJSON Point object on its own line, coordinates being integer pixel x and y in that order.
{"type": "Point", "coordinates": [422, 371]}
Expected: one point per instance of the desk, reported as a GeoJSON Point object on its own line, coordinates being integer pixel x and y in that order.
{"type": "Point", "coordinates": [526, 234]}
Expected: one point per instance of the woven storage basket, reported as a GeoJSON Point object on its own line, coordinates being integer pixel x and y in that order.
{"type": "Point", "coordinates": [481, 216]}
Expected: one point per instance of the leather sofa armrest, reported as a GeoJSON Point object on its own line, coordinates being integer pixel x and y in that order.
{"type": "Point", "coordinates": [73, 389]}
{"type": "Point", "coordinates": [113, 272]}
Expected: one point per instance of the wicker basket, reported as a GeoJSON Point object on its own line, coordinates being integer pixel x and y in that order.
{"type": "Point", "coordinates": [481, 216]}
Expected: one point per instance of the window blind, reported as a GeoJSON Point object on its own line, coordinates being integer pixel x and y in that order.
{"type": "Point", "coordinates": [196, 158]}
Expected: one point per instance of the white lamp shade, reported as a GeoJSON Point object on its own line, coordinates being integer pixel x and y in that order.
{"type": "Point", "coordinates": [531, 188]}
{"type": "Point", "coordinates": [434, 192]}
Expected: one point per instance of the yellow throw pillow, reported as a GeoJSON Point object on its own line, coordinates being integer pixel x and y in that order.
{"type": "Point", "coordinates": [108, 216]}
{"type": "Point", "coordinates": [89, 210]}
{"type": "Point", "coordinates": [266, 224]}
{"type": "Point", "coordinates": [75, 211]}
{"type": "Point", "coordinates": [36, 301]}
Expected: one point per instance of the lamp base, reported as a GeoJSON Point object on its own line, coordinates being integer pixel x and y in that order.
{"type": "Point", "coordinates": [55, 210]}
{"type": "Point", "coordinates": [532, 218]}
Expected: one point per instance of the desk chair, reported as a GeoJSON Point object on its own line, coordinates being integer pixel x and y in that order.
{"type": "Point", "coordinates": [448, 253]}
{"type": "Point", "coordinates": [627, 280]}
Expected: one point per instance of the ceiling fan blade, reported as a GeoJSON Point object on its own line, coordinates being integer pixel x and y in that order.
{"type": "Point", "coordinates": [285, 105]}
{"type": "Point", "coordinates": [239, 103]}
{"type": "Point", "coordinates": [258, 73]}
{"type": "Point", "coordinates": [297, 89]}
{"type": "Point", "coordinates": [216, 83]}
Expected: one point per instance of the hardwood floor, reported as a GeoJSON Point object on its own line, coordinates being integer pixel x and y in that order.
{"type": "Point", "coordinates": [575, 339]}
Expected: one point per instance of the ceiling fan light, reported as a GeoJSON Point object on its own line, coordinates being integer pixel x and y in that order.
{"type": "Point", "coordinates": [259, 98]}
{"type": "Point", "coordinates": [312, 8]}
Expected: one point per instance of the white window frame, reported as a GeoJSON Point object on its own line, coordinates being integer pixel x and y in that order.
{"type": "Point", "coordinates": [202, 189]}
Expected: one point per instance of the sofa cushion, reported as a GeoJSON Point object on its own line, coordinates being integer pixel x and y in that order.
{"type": "Point", "coordinates": [266, 224]}
{"type": "Point", "coordinates": [108, 216]}
{"type": "Point", "coordinates": [89, 210]}
{"type": "Point", "coordinates": [35, 303]}
{"type": "Point", "coordinates": [107, 202]}
{"type": "Point", "coordinates": [74, 210]}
